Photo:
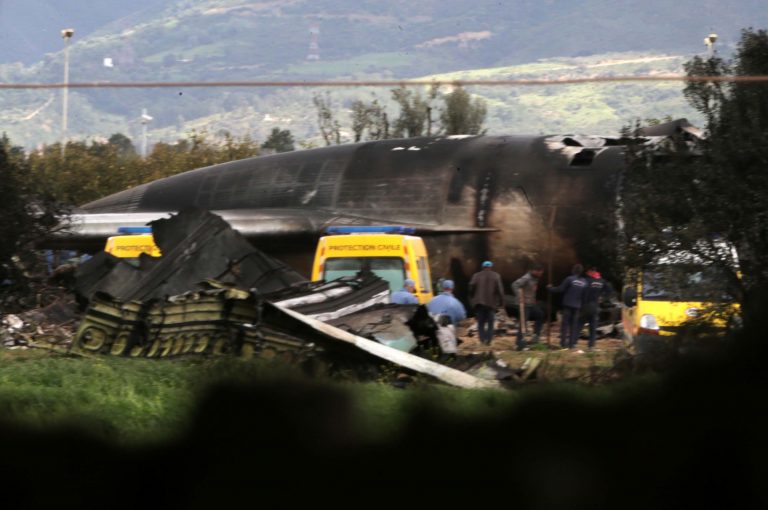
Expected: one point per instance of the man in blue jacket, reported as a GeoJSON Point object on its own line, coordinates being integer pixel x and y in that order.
{"type": "Point", "coordinates": [445, 303]}
{"type": "Point", "coordinates": [405, 295]}
{"type": "Point", "coordinates": [572, 288]}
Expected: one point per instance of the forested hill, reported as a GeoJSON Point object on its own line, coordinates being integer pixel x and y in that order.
{"type": "Point", "coordinates": [187, 40]}
{"type": "Point", "coordinates": [418, 37]}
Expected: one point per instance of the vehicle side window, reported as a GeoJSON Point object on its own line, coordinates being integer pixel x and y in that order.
{"type": "Point", "coordinates": [423, 270]}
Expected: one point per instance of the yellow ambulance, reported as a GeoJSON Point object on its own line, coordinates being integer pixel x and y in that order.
{"type": "Point", "coordinates": [132, 242]}
{"type": "Point", "coordinates": [387, 251]}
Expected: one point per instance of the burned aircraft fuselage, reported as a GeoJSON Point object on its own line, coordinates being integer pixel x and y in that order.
{"type": "Point", "coordinates": [472, 198]}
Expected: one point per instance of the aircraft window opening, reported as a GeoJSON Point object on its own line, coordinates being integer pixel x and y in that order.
{"type": "Point", "coordinates": [612, 142]}
{"type": "Point", "coordinates": [570, 142]}
{"type": "Point", "coordinates": [583, 158]}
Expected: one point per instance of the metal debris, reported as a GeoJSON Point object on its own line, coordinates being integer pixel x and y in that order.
{"type": "Point", "coordinates": [52, 324]}
{"type": "Point", "coordinates": [196, 245]}
{"type": "Point", "coordinates": [226, 320]}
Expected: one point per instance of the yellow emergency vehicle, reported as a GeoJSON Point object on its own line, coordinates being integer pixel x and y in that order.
{"type": "Point", "coordinates": [388, 251]}
{"type": "Point", "coordinates": [660, 299]}
{"type": "Point", "coordinates": [132, 242]}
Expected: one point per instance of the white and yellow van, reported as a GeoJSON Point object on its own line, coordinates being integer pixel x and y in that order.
{"type": "Point", "coordinates": [660, 299]}
{"type": "Point", "coordinates": [132, 242]}
{"type": "Point", "coordinates": [387, 251]}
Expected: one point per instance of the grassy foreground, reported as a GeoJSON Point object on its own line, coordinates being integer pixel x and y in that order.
{"type": "Point", "coordinates": [138, 400]}
{"type": "Point", "coordinates": [217, 432]}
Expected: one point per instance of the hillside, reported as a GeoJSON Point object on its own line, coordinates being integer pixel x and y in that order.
{"type": "Point", "coordinates": [186, 40]}
{"type": "Point", "coordinates": [32, 117]}
{"type": "Point", "coordinates": [240, 36]}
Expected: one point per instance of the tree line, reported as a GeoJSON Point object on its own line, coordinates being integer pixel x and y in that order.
{"type": "Point", "coordinates": [41, 186]}
{"type": "Point", "coordinates": [419, 114]}
{"type": "Point", "coordinates": [87, 170]}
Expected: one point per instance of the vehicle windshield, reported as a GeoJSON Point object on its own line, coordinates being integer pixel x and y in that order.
{"type": "Point", "coordinates": [682, 282]}
{"type": "Point", "coordinates": [389, 268]}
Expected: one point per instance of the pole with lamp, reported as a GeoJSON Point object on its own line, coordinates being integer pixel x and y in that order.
{"type": "Point", "coordinates": [66, 34]}
{"type": "Point", "coordinates": [145, 119]}
{"type": "Point", "coordinates": [709, 42]}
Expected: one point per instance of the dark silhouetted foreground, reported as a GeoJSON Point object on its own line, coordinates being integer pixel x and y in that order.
{"type": "Point", "coordinates": [691, 439]}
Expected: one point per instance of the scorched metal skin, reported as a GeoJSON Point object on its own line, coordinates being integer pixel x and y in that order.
{"type": "Point", "coordinates": [471, 197]}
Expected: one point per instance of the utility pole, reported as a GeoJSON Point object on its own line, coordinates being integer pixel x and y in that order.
{"type": "Point", "coordinates": [66, 34]}
{"type": "Point", "coordinates": [145, 119]}
{"type": "Point", "coordinates": [314, 48]}
{"type": "Point", "coordinates": [709, 42]}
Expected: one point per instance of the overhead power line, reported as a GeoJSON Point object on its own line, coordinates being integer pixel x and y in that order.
{"type": "Point", "coordinates": [376, 83]}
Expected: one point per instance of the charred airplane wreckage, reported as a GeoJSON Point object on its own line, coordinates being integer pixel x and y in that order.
{"type": "Point", "coordinates": [213, 293]}
{"type": "Point", "coordinates": [512, 199]}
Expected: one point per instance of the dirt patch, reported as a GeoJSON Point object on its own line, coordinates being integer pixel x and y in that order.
{"type": "Point", "coordinates": [578, 364]}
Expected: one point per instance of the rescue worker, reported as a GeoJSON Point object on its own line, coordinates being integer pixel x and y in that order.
{"type": "Point", "coordinates": [572, 288]}
{"type": "Point", "coordinates": [596, 291]}
{"type": "Point", "coordinates": [445, 303]}
{"type": "Point", "coordinates": [486, 294]}
{"type": "Point", "coordinates": [405, 295]}
{"type": "Point", "coordinates": [524, 292]}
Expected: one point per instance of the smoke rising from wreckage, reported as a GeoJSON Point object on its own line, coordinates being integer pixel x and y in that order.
{"type": "Point", "coordinates": [471, 197]}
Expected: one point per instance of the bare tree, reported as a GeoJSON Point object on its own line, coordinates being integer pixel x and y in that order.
{"type": "Point", "coordinates": [415, 112]}
{"type": "Point", "coordinates": [371, 118]}
{"type": "Point", "coordinates": [330, 129]}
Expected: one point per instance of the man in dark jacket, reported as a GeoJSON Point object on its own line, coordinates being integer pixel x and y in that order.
{"type": "Point", "coordinates": [596, 291]}
{"type": "Point", "coordinates": [486, 293]}
{"type": "Point", "coordinates": [572, 288]}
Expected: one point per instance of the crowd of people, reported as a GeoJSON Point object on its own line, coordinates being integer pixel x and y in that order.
{"type": "Point", "coordinates": [582, 292]}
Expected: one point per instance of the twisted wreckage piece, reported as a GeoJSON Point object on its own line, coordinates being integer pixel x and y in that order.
{"type": "Point", "coordinates": [232, 321]}
{"type": "Point", "coordinates": [131, 314]}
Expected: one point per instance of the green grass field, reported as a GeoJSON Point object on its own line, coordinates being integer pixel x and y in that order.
{"type": "Point", "coordinates": [131, 401]}
{"type": "Point", "coordinates": [137, 401]}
